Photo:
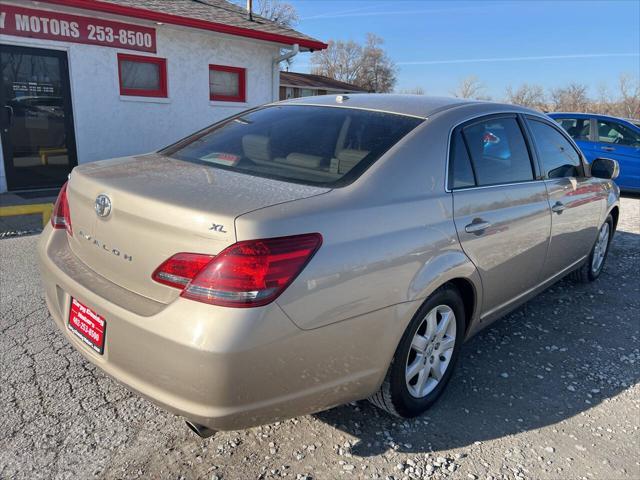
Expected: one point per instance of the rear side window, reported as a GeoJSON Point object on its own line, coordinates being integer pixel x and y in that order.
{"type": "Point", "coordinates": [498, 152]}
{"type": "Point", "coordinates": [578, 128]}
{"type": "Point", "coordinates": [460, 169]}
{"type": "Point", "coordinates": [324, 146]}
{"type": "Point", "coordinates": [559, 158]}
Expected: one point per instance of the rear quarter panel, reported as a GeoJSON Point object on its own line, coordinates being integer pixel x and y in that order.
{"type": "Point", "coordinates": [388, 238]}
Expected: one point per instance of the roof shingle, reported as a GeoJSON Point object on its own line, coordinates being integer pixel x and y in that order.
{"type": "Point", "coordinates": [303, 80]}
{"type": "Point", "coordinates": [215, 15]}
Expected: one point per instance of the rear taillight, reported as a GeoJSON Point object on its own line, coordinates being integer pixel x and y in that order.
{"type": "Point", "coordinates": [180, 269]}
{"type": "Point", "coordinates": [247, 274]}
{"type": "Point", "coordinates": [60, 217]}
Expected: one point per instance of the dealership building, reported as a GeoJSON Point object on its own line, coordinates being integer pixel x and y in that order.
{"type": "Point", "coordinates": [84, 80]}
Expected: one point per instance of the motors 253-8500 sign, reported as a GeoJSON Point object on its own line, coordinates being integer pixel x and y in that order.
{"type": "Point", "coordinates": [27, 22]}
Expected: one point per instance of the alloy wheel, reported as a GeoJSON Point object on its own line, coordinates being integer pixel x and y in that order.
{"type": "Point", "coordinates": [431, 351]}
{"type": "Point", "coordinates": [600, 249]}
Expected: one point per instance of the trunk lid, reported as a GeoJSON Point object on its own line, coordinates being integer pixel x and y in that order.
{"type": "Point", "coordinates": [161, 206]}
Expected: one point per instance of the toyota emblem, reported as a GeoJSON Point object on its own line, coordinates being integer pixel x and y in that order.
{"type": "Point", "coordinates": [103, 205]}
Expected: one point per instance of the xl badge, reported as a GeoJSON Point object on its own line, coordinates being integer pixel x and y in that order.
{"type": "Point", "coordinates": [217, 228]}
{"type": "Point", "coordinates": [102, 205]}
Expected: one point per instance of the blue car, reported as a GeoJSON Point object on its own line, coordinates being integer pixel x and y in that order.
{"type": "Point", "coordinates": [610, 137]}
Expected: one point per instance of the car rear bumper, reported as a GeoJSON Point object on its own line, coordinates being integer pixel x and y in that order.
{"type": "Point", "coordinates": [224, 368]}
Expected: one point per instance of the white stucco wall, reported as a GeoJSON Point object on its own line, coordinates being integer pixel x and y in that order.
{"type": "Point", "coordinates": [109, 125]}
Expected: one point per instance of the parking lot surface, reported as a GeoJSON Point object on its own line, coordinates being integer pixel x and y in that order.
{"type": "Point", "coordinates": [549, 392]}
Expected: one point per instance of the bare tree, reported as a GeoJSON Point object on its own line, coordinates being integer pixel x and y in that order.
{"type": "Point", "coordinates": [283, 13]}
{"type": "Point", "coordinates": [377, 72]}
{"type": "Point", "coordinates": [366, 66]}
{"type": "Point", "coordinates": [629, 96]}
{"type": "Point", "coordinates": [340, 60]}
{"type": "Point", "coordinates": [572, 98]}
{"type": "Point", "coordinates": [413, 91]}
{"type": "Point", "coordinates": [531, 96]}
{"type": "Point", "coordinates": [280, 12]}
{"type": "Point", "coordinates": [603, 103]}
{"type": "Point", "coordinates": [470, 87]}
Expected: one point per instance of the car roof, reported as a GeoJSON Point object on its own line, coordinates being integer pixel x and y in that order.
{"type": "Point", "coordinates": [414, 105]}
{"type": "Point", "coordinates": [588, 115]}
{"type": "Point", "coordinates": [626, 121]}
{"type": "Point", "coordinates": [572, 114]}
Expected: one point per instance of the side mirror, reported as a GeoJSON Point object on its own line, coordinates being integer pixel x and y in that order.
{"type": "Point", "coordinates": [605, 168]}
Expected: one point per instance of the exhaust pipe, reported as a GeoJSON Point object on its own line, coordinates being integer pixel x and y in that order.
{"type": "Point", "coordinates": [200, 430]}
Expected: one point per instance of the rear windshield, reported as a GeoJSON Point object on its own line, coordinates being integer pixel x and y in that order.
{"type": "Point", "coordinates": [324, 146]}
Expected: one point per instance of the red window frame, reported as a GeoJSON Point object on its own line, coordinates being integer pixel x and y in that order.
{"type": "Point", "coordinates": [161, 92]}
{"type": "Point", "coordinates": [242, 84]}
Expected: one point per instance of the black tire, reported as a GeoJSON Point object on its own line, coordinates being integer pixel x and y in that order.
{"type": "Point", "coordinates": [394, 395]}
{"type": "Point", "coordinates": [586, 273]}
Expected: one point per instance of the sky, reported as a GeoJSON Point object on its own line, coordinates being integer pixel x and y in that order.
{"type": "Point", "coordinates": [504, 43]}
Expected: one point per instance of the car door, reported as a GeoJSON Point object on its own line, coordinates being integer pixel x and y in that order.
{"type": "Point", "coordinates": [501, 210]}
{"type": "Point", "coordinates": [622, 143]}
{"type": "Point", "coordinates": [576, 200]}
{"type": "Point", "coordinates": [581, 130]}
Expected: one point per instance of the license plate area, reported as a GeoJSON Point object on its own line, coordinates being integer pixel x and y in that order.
{"type": "Point", "coordinates": [87, 325]}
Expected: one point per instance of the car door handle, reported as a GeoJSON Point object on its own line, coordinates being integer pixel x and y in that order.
{"type": "Point", "coordinates": [558, 207]}
{"type": "Point", "coordinates": [478, 226]}
{"type": "Point", "coordinates": [7, 117]}
{"type": "Point", "coordinates": [608, 149]}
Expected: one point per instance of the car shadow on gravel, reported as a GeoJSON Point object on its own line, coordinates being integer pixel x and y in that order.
{"type": "Point", "coordinates": [569, 349]}
{"type": "Point", "coordinates": [630, 195]}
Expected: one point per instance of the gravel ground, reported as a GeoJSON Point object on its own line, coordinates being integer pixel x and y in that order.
{"type": "Point", "coordinates": [20, 225]}
{"type": "Point", "coordinates": [549, 392]}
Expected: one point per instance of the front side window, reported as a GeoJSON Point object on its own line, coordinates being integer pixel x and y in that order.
{"type": "Point", "coordinates": [578, 128]}
{"type": "Point", "coordinates": [142, 76]}
{"type": "Point", "coordinates": [314, 145]}
{"type": "Point", "coordinates": [613, 132]}
{"type": "Point", "coordinates": [559, 158]}
{"type": "Point", "coordinates": [227, 84]}
{"type": "Point", "coordinates": [498, 151]}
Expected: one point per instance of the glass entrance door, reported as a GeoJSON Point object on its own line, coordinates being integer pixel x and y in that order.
{"type": "Point", "coordinates": [36, 123]}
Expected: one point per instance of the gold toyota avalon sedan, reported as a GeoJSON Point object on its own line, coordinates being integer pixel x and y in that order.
{"type": "Point", "coordinates": [317, 251]}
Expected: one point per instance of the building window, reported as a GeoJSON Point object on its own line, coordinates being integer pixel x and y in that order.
{"type": "Point", "coordinates": [142, 76]}
{"type": "Point", "coordinates": [227, 84]}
